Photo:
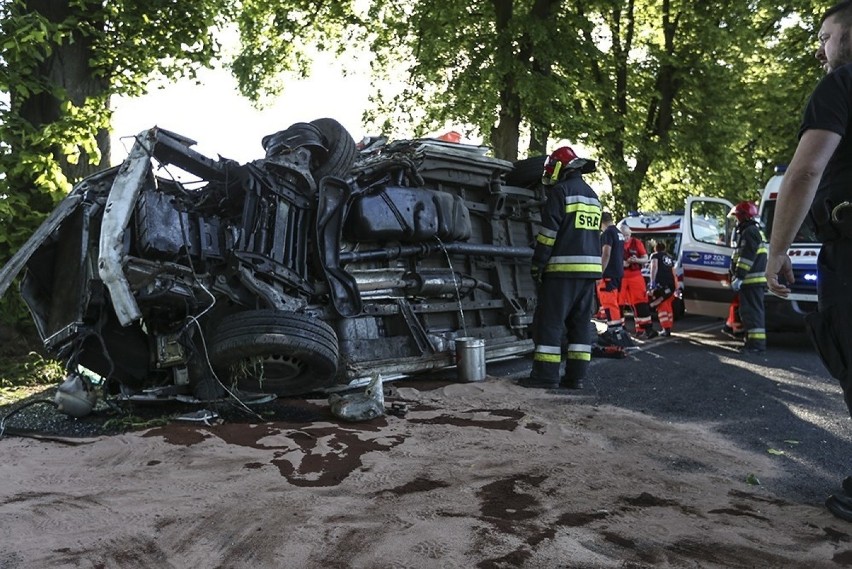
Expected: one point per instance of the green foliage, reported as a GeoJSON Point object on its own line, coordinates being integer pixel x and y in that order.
{"type": "Point", "coordinates": [157, 40]}
{"type": "Point", "coordinates": [479, 65]}
{"type": "Point", "coordinates": [61, 62]}
{"type": "Point", "coordinates": [675, 97]}
{"type": "Point", "coordinates": [277, 37]}
{"type": "Point", "coordinates": [30, 370]}
{"type": "Point", "coordinates": [685, 121]}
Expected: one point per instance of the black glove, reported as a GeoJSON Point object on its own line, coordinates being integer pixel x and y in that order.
{"type": "Point", "coordinates": [535, 273]}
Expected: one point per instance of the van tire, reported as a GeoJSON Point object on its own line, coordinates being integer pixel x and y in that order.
{"type": "Point", "coordinates": [526, 172]}
{"type": "Point", "coordinates": [341, 150]}
{"type": "Point", "coordinates": [298, 352]}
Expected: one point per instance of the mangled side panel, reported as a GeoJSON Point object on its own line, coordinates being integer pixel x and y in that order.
{"type": "Point", "coordinates": [442, 252]}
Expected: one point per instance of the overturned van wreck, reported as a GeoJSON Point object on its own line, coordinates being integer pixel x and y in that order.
{"type": "Point", "coordinates": [313, 267]}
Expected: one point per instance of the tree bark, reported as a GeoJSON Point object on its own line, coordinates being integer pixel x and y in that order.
{"type": "Point", "coordinates": [69, 67]}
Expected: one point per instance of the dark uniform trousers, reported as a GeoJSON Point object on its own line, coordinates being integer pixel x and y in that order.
{"type": "Point", "coordinates": [568, 302]}
{"type": "Point", "coordinates": [750, 266]}
{"type": "Point", "coordinates": [752, 314]}
{"type": "Point", "coordinates": [830, 327]}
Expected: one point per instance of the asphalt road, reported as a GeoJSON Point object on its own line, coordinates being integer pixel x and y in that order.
{"type": "Point", "coordinates": [783, 401]}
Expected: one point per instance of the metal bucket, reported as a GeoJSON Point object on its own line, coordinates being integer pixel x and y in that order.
{"type": "Point", "coordinates": [470, 359]}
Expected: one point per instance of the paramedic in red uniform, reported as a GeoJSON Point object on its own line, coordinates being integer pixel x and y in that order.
{"type": "Point", "coordinates": [567, 263]}
{"type": "Point", "coordinates": [634, 290]}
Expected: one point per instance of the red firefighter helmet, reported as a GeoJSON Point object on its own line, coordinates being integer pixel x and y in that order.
{"type": "Point", "coordinates": [558, 162]}
{"type": "Point", "coordinates": [744, 211]}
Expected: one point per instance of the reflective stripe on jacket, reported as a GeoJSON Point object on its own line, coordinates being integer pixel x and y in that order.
{"type": "Point", "coordinates": [749, 260]}
{"type": "Point", "coordinates": [568, 242]}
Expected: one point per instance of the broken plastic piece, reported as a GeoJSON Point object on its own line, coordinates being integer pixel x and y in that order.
{"type": "Point", "coordinates": [360, 406]}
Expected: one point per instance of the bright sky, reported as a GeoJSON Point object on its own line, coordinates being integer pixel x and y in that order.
{"type": "Point", "coordinates": [225, 123]}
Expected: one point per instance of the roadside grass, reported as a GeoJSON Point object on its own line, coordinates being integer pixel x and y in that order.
{"type": "Point", "coordinates": [21, 376]}
{"type": "Point", "coordinates": [25, 378]}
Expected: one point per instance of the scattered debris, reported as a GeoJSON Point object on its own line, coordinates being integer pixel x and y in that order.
{"type": "Point", "coordinates": [76, 396]}
{"type": "Point", "coordinates": [201, 416]}
{"type": "Point", "coordinates": [360, 406]}
{"type": "Point", "coordinates": [397, 409]}
{"type": "Point", "coordinates": [616, 352]}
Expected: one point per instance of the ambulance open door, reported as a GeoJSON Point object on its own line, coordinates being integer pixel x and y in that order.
{"type": "Point", "coordinates": [706, 256]}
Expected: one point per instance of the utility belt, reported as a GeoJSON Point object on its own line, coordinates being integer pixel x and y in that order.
{"type": "Point", "coordinates": [837, 223]}
{"type": "Point", "coordinates": [608, 284]}
{"type": "Point", "coordinates": [658, 294]}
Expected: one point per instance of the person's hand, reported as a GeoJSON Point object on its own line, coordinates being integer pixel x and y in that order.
{"type": "Point", "coordinates": [535, 273]}
{"type": "Point", "coordinates": [779, 264]}
{"type": "Point", "coordinates": [736, 284]}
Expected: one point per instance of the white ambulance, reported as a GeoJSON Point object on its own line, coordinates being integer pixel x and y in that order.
{"type": "Point", "coordinates": [665, 227]}
{"type": "Point", "coordinates": [706, 262]}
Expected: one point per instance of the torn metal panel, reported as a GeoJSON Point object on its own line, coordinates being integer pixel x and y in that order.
{"type": "Point", "coordinates": [122, 199]}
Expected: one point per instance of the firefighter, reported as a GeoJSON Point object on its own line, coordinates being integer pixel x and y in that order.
{"type": "Point", "coordinates": [748, 268]}
{"type": "Point", "coordinates": [566, 263]}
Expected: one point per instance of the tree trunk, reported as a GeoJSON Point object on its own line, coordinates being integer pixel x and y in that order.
{"type": "Point", "coordinates": [68, 66]}
{"type": "Point", "coordinates": [506, 133]}
{"type": "Point", "coordinates": [505, 136]}
{"type": "Point", "coordinates": [539, 138]}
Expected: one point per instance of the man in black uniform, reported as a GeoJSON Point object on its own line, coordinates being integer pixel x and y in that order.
{"type": "Point", "coordinates": [567, 262]}
{"type": "Point", "coordinates": [748, 269]}
{"type": "Point", "coordinates": [612, 261]}
{"type": "Point", "coordinates": [663, 287]}
{"type": "Point", "coordinates": [820, 176]}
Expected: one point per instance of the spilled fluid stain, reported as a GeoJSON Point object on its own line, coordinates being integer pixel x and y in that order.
{"type": "Point", "coordinates": [513, 559]}
{"type": "Point", "coordinates": [178, 435]}
{"type": "Point", "coordinates": [836, 536]}
{"type": "Point", "coordinates": [326, 454]}
{"type": "Point", "coordinates": [513, 512]}
{"type": "Point", "coordinates": [309, 456]}
{"type": "Point", "coordinates": [692, 553]}
{"type": "Point", "coordinates": [738, 512]}
{"type": "Point", "coordinates": [646, 500]}
{"type": "Point", "coordinates": [417, 485]}
{"type": "Point", "coordinates": [508, 420]}
{"type": "Point", "coordinates": [503, 504]}
{"type": "Point", "coordinates": [579, 519]}
{"type": "Point", "coordinates": [331, 468]}
{"type": "Point", "coordinates": [618, 540]}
